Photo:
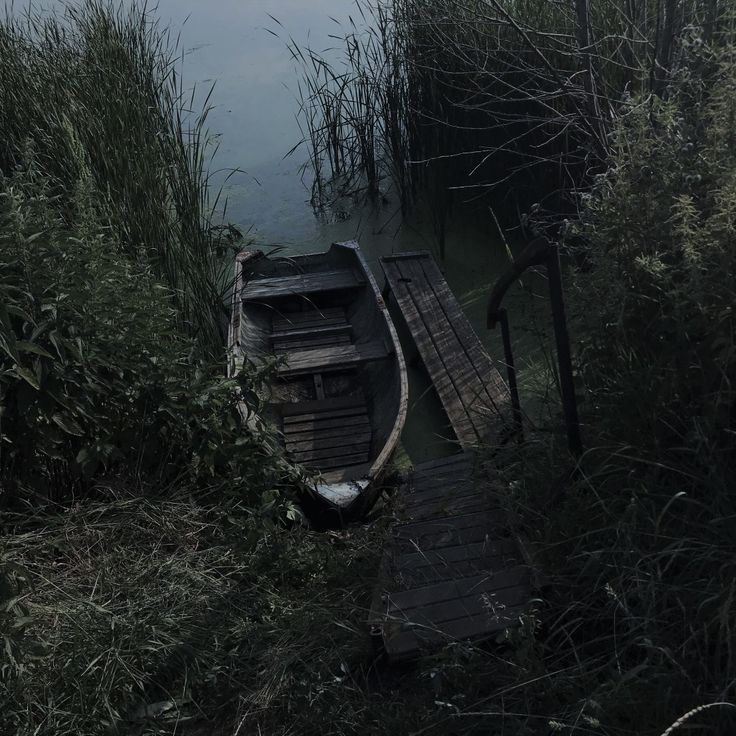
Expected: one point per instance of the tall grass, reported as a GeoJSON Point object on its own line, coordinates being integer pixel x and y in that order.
{"type": "Point", "coordinates": [112, 348]}
{"type": "Point", "coordinates": [469, 99]}
{"type": "Point", "coordinates": [94, 93]}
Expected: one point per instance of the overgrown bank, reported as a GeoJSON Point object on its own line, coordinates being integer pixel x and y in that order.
{"type": "Point", "coordinates": [150, 584]}
{"type": "Point", "coordinates": [114, 398]}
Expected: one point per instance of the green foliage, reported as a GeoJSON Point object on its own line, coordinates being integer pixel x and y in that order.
{"type": "Point", "coordinates": [94, 370]}
{"type": "Point", "coordinates": [95, 91]}
{"type": "Point", "coordinates": [655, 299]}
{"type": "Point", "coordinates": [642, 610]}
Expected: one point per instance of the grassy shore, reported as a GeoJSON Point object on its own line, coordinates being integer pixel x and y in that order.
{"type": "Point", "coordinates": [156, 576]}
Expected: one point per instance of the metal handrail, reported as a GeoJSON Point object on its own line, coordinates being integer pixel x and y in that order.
{"type": "Point", "coordinates": [540, 252]}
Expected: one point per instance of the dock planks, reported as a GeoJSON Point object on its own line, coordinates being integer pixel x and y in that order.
{"type": "Point", "coordinates": [451, 570]}
{"type": "Point", "coordinates": [472, 392]}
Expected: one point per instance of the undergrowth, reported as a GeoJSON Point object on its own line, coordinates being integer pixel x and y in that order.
{"type": "Point", "coordinates": [170, 587]}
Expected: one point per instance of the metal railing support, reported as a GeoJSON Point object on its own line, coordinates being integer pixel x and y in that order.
{"type": "Point", "coordinates": [541, 252]}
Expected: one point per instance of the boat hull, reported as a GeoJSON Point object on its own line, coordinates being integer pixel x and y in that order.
{"type": "Point", "coordinates": [339, 398]}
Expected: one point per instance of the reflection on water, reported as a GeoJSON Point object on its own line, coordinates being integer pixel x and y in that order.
{"type": "Point", "coordinates": [231, 43]}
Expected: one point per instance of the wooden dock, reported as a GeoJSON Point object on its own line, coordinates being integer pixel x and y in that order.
{"type": "Point", "coordinates": [451, 570]}
{"type": "Point", "coordinates": [473, 394]}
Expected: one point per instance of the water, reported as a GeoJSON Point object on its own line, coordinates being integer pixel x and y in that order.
{"type": "Point", "coordinates": [240, 46]}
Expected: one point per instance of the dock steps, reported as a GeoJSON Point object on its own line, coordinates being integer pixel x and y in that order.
{"type": "Point", "coordinates": [451, 570]}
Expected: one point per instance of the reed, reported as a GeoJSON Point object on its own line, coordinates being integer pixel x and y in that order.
{"type": "Point", "coordinates": [469, 99]}
{"type": "Point", "coordinates": [94, 92]}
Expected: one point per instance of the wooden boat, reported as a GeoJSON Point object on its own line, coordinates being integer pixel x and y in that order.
{"type": "Point", "coordinates": [340, 397]}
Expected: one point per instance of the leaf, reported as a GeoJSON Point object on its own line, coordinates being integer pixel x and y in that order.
{"type": "Point", "coordinates": [35, 236]}
{"type": "Point", "coordinates": [67, 424]}
{"type": "Point", "coordinates": [29, 347]}
{"type": "Point", "coordinates": [27, 376]}
{"type": "Point", "coordinates": [9, 347]}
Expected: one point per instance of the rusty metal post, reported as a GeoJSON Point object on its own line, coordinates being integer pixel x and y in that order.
{"type": "Point", "coordinates": [542, 252]}
{"type": "Point", "coordinates": [511, 372]}
{"type": "Point", "coordinates": [564, 361]}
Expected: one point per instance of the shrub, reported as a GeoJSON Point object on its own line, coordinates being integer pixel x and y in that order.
{"type": "Point", "coordinates": [94, 370]}
{"type": "Point", "coordinates": [642, 609]}
{"type": "Point", "coordinates": [655, 299]}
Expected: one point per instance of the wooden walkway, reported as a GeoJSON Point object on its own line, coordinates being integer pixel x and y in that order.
{"type": "Point", "coordinates": [451, 569]}
{"type": "Point", "coordinates": [473, 394]}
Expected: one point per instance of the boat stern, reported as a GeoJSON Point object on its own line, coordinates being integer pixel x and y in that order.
{"type": "Point", "coordinates": [342, 494]}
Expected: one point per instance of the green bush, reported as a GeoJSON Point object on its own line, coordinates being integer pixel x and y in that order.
{"type": "Point", "coordinates": [655, 299]}
{"type": "Point", "coordinates": [641, 549]}
{"type": "Point", "coordinates": [94, 370]}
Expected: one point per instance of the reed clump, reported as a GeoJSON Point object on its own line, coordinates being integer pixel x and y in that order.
{"type": "Point", "coordinates": [94, 92]}
{"type": "Point", "coordinates": [511, 101]}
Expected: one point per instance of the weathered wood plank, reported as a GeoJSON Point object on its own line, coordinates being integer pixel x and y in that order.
{"type": "Point", "coordinates": [301, 332]}
{"type": "Point", "coordinates": [317, 416]}
{"type": "Point", "coordinates": [310, 407]}
{"type": "Point", "coordinates": [495, 387]}
{"type": "Point", "coordinates": [447, 537]}
{"type": "Point", "coordinates": [406, 254]}
{"type": "Point", "coordinates": [483, 598]}
{"type": "Point", "coordinates": [343, 423]}
{"type": "Point", "coordinates": [312, 455]}
{"type": "Point", "coordinates": [420, 576]}
{"type": "Point", "coordinates": [427, 508]}
{"type": "Point", "coordinates": [283, 320]}
{"type": "Point", "coordinates": [331, 434]}
{"type": "Point", "coordinates": [416, 531]}
{"type": "Point", "coordinates": [438, 346]}
{"type": "Point", "coordinates": [341, 461]}
{"type": "Point", "coordinates": [407, 643]}
{"type": "Point", "coordinates": [410, 302]}
{"type": "Point", "coordinates": [319, 442]}
{"type": "Point", "coordinates": [312, 320]}
{"type": "Point", "coordinates": [309, 343]}
{"type": "Point", "coordinates": [337, 358]}
{"type": "Point", "coordinates": [471, 389]}
{"type": "Point", "coordinates": [408, 600]}
{"type": "Point", "coordinates": [302, 283]}
{"type": "Point", "coordinates": [453, 358]}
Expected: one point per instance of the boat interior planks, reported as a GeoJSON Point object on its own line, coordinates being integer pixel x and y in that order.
{"type": "Point", "coordinates": [340, 395]}
{"type": "Point", "coordinates": [473, 394]}
{"type": "Point", "coordinates": [451, 570]}
{"type": "Point", "coordinates": [301, 284]}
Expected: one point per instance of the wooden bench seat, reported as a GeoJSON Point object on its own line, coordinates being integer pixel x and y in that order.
{"type": "Point", "coordinates": [304, 332]}
{"type": "Point", "coordinates": [328, 433]}
{"type": "Point", "coordinates": [308, 318]}
{"type": "Point", "coordinates": [473, 394]}
{"type": "Point", "coordinates": [301, 284]}
{"type": "Point", "coordinates": [331, 358]}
